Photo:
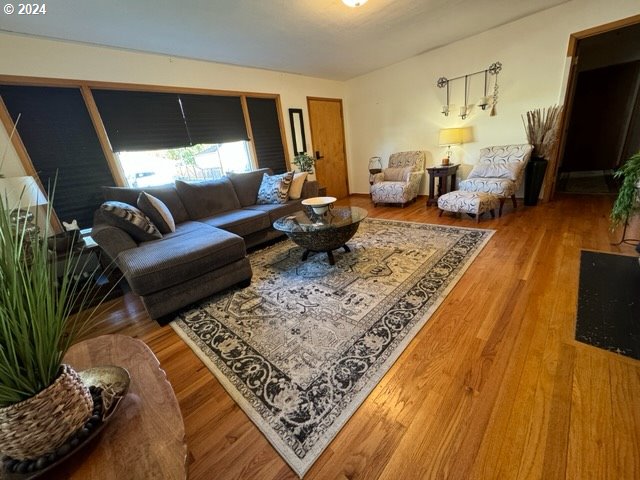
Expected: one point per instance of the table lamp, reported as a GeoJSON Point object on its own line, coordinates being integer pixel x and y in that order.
{"type": "Point", "coordinates": [19, 195]}
{"type": "Point", "coordinates": [449, 137]}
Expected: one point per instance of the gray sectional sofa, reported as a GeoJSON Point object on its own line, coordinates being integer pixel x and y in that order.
{"type": "Point", "coordinates": [216, 221]}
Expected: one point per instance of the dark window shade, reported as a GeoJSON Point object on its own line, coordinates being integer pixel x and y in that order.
{"type": "Point", "coordinates": [214, 119]}
{"type": "Point", "coordinates": [137, 121]}
{"type": "Point", "coordinates": [267, 139]}
{"type": "Point", "coordinates": [57, 132]}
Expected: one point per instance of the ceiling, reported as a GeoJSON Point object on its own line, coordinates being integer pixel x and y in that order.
{"type": "Point", "coordinates": [320, 38]}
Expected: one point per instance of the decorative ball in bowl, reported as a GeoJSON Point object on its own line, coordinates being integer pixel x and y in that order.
{"type": "Point", "coordinates": [319, 205]}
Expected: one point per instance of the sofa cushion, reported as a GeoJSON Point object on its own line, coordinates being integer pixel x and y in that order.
{"type": "Point", "coordinates": [274, 188]}
{"type": "Point", "coordinates": [192, 249]}
{"type": "Point", "coordinates": [157, 211]}
{"type": "Point", "coordinates": [277, 210]}
{"type": "Point", "coordinates": [166, 193]}
{"type": "Point", "coordinates": [241, 222]}
{"type": "Point", "coordinates": [247, 184]}
{"type": "Point", "coordinates": [131, 220]}
{"type": "Point", "coordinates": [204, 199]}
{"type": "Point", "coordinates": [295, 190]}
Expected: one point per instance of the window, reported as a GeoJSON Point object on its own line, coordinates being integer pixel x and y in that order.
{"type": "Point", "coordinates": [56, 130]}
{"type": "Point", "coordinates": [198, 162]}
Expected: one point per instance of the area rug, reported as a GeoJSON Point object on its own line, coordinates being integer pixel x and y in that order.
{"type": "Point", "coordinates": [303, 346]}
{"type": "Point", "coordinates": [609, 302]}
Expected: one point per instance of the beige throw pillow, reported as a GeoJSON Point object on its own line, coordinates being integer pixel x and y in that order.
{"type": "Point", "coordinates": [295, 190]}
{"type": "Point", "coordinates": [397, 174]}
{"type": "Point", "coordinates": [157, 211]}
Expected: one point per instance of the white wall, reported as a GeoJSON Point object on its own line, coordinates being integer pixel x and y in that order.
{"type": "Point", "coordinates": [37, 57]}
{"type": "Point", "coordinates": [398, 108]}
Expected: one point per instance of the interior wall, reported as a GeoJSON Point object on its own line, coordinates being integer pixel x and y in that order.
{"type": "Point", "coordinates": [38, 57]}
{"type": "Point", "coordinates": [398, 108]}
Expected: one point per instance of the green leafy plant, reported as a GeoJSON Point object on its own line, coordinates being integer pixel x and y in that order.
{"type": "Point", "coordinates": [627, 201]}
{"type": "Point", "coordinates": [38, 294]}
{"type": "Point", "coordinates": [37, 325]}
{"type": "Point", "coordinates": [304, 162]}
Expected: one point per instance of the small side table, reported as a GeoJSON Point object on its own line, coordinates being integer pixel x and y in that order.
{"type": "Point", "coordinates": [443, 173]}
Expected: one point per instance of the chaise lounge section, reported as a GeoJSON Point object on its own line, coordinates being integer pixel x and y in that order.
{"type": "Point", "coordinates": [215, 222]}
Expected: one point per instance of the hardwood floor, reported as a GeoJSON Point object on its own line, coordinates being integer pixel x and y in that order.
{"type": "Point", "coordinates": [494, 386]}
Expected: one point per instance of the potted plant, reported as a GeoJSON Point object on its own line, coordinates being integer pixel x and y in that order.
{"type": "Point", "coordinates": [541, 127]}
{"type": "Point", "coordinates": [42, 401]}
{"type": "Point", "coordinates": [304, 162]}
{"type": "Point", "coordinates": [628, 200]}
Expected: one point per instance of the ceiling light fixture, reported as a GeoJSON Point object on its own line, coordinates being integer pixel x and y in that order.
{"type": "Point", "coordinates": [354, 3]}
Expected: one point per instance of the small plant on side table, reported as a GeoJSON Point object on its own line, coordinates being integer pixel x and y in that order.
{"type": "Point", "coordinates": [304, 162]}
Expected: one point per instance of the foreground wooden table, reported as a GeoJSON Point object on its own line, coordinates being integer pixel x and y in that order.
{"type": "Point", "coordinates": [146, 437]}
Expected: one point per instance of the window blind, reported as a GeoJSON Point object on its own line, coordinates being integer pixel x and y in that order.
{"type": "Point", "coordinates": [213, 119]}
{"type": "Point", "coordinates": [137, 121]}
{"type": "Point", "coordinates": [267, 138]}
{"type": "Point", "coordinates": [57, 132]}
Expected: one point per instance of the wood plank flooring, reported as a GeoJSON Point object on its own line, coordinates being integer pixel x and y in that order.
{"type": "Point", "coordinates": [493, 387]}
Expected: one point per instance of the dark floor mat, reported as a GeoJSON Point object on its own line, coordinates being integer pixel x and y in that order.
{"type": "Point", "coordinates": [609, 303]}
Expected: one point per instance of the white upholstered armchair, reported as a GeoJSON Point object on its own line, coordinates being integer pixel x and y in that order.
{"type": "Point", "coordinates": [499, 171]}
{"type": "Point", "coordinates": [400, 181]}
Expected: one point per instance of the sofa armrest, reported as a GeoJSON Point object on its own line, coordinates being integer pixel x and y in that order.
{"type": "Point", "coordinates": [112, 240]}
{"type": "Point", "coordinates": [310, 189]}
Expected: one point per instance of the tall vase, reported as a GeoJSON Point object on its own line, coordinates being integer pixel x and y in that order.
{"type": "Point", "coordinates": [533, 178]}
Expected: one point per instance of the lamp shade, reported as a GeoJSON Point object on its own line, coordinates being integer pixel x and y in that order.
{"type": "Point", "coordinates": [450, 136]}
{"type": "Point", "coordinates": [21, 192]}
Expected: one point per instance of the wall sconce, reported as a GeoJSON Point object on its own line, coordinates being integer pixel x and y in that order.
{"type": "Point", "coordinates": [484, 101]}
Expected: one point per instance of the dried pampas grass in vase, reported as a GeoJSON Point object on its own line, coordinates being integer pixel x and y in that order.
{"type": "Point", "coordinates": [541, 127]}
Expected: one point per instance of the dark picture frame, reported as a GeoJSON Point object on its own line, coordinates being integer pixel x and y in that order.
{"type": "Point", "coordinates": [297, 131]}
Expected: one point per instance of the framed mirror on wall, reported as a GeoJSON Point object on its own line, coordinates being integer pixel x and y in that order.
{"type": "Point", "coordinates": [297, 131]}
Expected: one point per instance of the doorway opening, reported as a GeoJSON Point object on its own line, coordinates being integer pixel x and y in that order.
{"type": "Point", "coordinates": [602, 126]}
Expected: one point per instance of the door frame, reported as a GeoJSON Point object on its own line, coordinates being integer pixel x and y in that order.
{"type": "Point", "coordinates": [572, 51]}
{"type": "Point", "coordinates": [344, 137]}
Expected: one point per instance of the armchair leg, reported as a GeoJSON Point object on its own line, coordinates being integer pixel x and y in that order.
{"type": "Point", "coordinates": [501, 205]}
{"type": "Point", "coordinates": [515, 204]}
{"type": "Point", "coordinates": [441, 212]}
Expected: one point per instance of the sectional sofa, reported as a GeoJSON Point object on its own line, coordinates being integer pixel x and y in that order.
{"type": "Point", "coordinates": [215, 222]}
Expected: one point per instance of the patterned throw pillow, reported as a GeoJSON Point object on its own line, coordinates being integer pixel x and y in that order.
{"type": "Point", "coordinates": [157, 211]}
{"type": "Point", "coordinates": [274, 188]}
{"type": "Point", "coordinates": [509, 171]}
{"type": "Point", "coordinates": [131, 220]}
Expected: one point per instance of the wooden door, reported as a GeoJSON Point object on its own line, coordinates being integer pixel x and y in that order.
{"type": "Point", "coordinates": [327, 136]}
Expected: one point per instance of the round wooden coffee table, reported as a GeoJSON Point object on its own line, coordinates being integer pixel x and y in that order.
{"type": "Point", "coordinates": [145, 439]}
{"type": "Point", "coordinates": [322, 233]}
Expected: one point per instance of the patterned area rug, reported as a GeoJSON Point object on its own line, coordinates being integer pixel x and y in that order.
{"type": "Point", "coordinates": [305, 344]}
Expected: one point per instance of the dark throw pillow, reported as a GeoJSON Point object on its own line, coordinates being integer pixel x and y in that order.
{"type": "Point", "coordinates": [131, 220]}
{"type": "Point", "coordinates": [157, 211]}
{"type": "Point", "coordinates": [274, 188]}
